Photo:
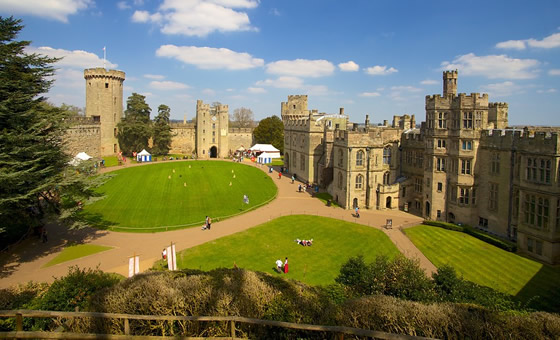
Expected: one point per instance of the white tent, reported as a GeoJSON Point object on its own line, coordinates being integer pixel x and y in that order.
{"type": "Point", "coordinates": [143, 156]}
{"type": "Point", "coordinates": [268, 148]}
{"type": "Point", "coordinates": [264, 158]}
{"type": "Point", "coordinates": [82, 156]}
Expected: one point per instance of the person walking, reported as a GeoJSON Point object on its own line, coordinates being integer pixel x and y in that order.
{"type": "Point", "coordinates": [279, 265]}
{"type": "Point", "coordinates": [209, 222]}
{"type": "Point", "coordinates": [44, 236]}
{"type": "Point", "coordinates": [286, 266]}
{"type": "Point", "coordinates": [293, 179]}
{"type": "Point", "coordinates": [357, 212]}
{"type": "Point", "coordinates": [280, 175]}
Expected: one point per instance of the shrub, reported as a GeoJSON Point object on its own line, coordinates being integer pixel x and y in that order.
{"type": "Point", "coordinates": [19, 297]}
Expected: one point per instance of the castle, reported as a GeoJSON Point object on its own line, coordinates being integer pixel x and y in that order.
{"type": "Point", "coordinates": [463, 165]}
{"type": "Point", "coordinates": [209, 136]}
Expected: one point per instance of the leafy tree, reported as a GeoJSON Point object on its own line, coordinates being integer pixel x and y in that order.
{"type": "Point", "coordinates": [32, 159]}
{"type": "Point", "coordinates": [135, 129]}
{"type": "Point", "coordinates": [270, 131]}
{"type": "Point", "coordinates": [162, 131]}
{"type": "Point", "coordinates": [242, 118]}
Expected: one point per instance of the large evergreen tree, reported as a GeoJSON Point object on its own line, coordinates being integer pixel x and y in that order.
{"type": "Point", "coordinates": [135, 129]}
{"type": "Point", "coordinates": [270, 131]}
{"type": "Point", "coordinates": [32, 160]}
{"type": "Point", "coordinates": [162, 131]}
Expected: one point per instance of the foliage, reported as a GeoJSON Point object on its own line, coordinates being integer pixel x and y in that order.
{"type": "Point", "coordinates": [32, 160]}
{"type": "Point", "coordinates": [135, 129]}
{"type": "Point", "coordinates": [242, 118]}
{"type": "Point", "coordinates": [500, 243]}
{"type": "Point", "coordinates": [162, 131]}
{"type": "Point", "coordinates": [19, 297]}
{"type": "Point", "coordinates": [270, 131]}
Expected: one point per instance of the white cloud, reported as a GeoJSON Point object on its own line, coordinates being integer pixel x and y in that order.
{"type": "Point", "coordinates": [404, 93]}
{"type": "Point", "coordinates": [380, 70]}
{"type": "Point", "coordinates": [147, 94]}
{"type": "Point", "coordinates": [209, 92]}
{"type": "Point", "coordinates": [282, 83]}
{"type": "Point", "coordinates": [210, 58]}
{"type": "Point", "coordinates": [547, 91]}
{"type": "Point", "coordinates": [405, 88]}
{"type": "Point", "coordinates": [70, 78]}
{"type": "Point", "coordinates": [554, 72]}
{"type": "Point", "coordinates": [167, 85]}
{"type": "Point", "coordinates": [122, 5]}
{"type": "Point", "coordinates": [77, 58]}
{"type": "Point", "coordinates": [429, 82]}
{"type": "Point", "coordinates": [349, 66]}
{"type": "Point", "coordinates": [370, 94]}
{"type": "Point", "coordinates": [198, 17]}
{"type": "Point", "coordinates": [552, 41]}
{"type": "Point", "coordinates": [154, 76]}
{"type": "Point", "coordinates": [57, 10]}
{"type": "Point", "coordinates": [504, 89]}
{"type": "Point", "coordinates": [493, 66]}
{"type": "Point", "coordinates": [256, 90]}
{"type": "Point", "coordinates": [301, 68]}
{"type": "Point", "coordinates": [128, 88]}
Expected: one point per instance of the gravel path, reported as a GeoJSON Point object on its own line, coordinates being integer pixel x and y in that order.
{"type": "Point", "coordinates": [24, 262]}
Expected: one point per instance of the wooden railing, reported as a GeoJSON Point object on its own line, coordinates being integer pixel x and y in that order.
{"type": "Point", "coordinates": [19, 333]}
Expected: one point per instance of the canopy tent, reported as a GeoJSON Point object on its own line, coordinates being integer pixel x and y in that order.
{"type": "Point", "coordinates": [241, 148]}
{"type": "Point", "coordinates": [268, 148]}
{"type": "Point", "coordinates": [144, 156]}
{"type": "Point", "coordinates": [82, 156]}
{"type": "Point", "coordinates": [264, 158]}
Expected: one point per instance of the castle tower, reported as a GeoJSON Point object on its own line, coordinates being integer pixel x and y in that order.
{"type": "Point", "coordinates": [449, 83]}
{"type": "Point", "coordinates": [212, 127]}
{"type": "Point", "coordinates": [104, 103]}
{"type": "Point", "coordinates": [295, 108]}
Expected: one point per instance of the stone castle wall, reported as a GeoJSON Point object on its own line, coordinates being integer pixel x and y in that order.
{"type": "Point", "coordinates": [84, 135]}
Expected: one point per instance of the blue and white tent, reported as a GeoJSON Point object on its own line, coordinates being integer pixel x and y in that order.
{"type": "Point", "coordinates": [144, 156]}
{"type": "Point", "coordinates": [264, 158]}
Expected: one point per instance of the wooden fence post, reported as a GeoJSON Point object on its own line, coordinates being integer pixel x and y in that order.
{"type": "Point", "coordinates": [232, 329]}
{"type": "Point", "coordinates": [126, 327]}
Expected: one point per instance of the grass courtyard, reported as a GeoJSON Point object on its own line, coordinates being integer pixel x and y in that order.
{"type": "Point", "coordinates": [488, 265]}
{"type": "Point", "coordinates": [177, 194]}
{"type": "Point", "coordinates": [334, 241]}
{"type": "Point", "coordinates": [76, 251]}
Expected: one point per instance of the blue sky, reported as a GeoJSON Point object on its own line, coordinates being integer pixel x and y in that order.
{"type": "Point", "coordinates": [371, 57]}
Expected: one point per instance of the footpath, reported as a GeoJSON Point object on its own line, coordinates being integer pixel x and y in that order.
{"type": "Point", "coordinates": [25, 262]}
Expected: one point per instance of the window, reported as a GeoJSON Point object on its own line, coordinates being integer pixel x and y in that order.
{"type": "Point", "coordinates": [538, 247]}
{"type": "Point", "coordinates": [440, 164]}
{"type": "Point", "coordinates": [465, 166]}
{"type": "Point", "coordinates": [538, 170]}
{"type": "Point", "coordinates": [536, 211]}
{"type": "Point", "coordinates": [419, 159]}
{"type": "Point", "coordinates": [493, 197]}
{"type": "Point", "coordinates": [467, 145]}
{"type": "Point", "coordinates": [404, 192]}
{"type": "Point", "coordinates": [106, 85]}
{"type": "Point", "coordinates": [340, 180]}
{"type": "Point", "coordinates": [441, 143]}
{"type": "Point", "coordinates": [478, 120]}
{"type": "Point", "coordinates": [359, 181]}
{"type": "Point", "coordinates": [294, 107]}
{"type": "Point", "coordinates": [96, 119]}
{"type": "Point", "coordinates": [387, 155]}
{"type": "Point", "coordinates": [302, 162]}
{"type": "Point", "coordinates": [418, 205]}
{"type": "Point", "coordinates": [115, 148]}
{"type": "Point", "coordinates": [213, 133]}
{"type": "Point", "coordinates": [360, 158]}
{"type": "Point", "coordinates": [442, 122]}
{"type": "Point", "coordinates": [213, 140]}
{"type": "Point", "coordinates": [213, 125]}
{"type": "Point", "coordinates": [340, 158]}
{"type": "Point", "coordinates": [115, 132]}
{"type": "Point", "coordinates": [438, 213]}
{"type": "Point", "coordinates": [386, 178]}
{"type": "Point", "coordinates": [409, 157]}
{"type": "Point", "coordinates": [439, 187]}
{"type": "Point", "coordinates": [529, 244]}
{"type": "Point", "coordinates": [467, 196]}
{"type": "Point", "coordinates": [418, 185]}
{"type": "Point", "coordinates": [467, 120]}
{"type": "Point", "coordinates": [495, 161]}
{"type": "Point", "coordinates": [482, 222]}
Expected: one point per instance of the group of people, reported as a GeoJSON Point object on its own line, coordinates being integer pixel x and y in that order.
{"type": "Point", "coordinates": [282, 267]}
{"type": "Point", "coordinates": [305, 243]}
{"type": "Point", "coordinates": [207, 223]}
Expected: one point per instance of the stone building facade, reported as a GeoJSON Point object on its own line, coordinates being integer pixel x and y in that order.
{"type": "Point", "coordinates": [96, 134]}
{"type": "Point", "coordinates": [462, 165]}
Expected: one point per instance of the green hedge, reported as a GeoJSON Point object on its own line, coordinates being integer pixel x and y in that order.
{"type": "Point", "coordinates": [503, 244]}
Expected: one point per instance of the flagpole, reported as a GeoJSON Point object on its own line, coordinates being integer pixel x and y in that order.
{"type": "Point", "coordinates": [104, 55]}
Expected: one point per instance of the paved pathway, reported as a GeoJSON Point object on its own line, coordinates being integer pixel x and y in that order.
{"type": "Point", "coordinates": [25, 262]}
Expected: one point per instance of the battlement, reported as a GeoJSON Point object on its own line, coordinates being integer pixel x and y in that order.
{"type": "Point", "coordinates": [100, 72]}
{"type": "Point", "coordinates": [525, 140]}
{"type": "Point", "coordinates": [240, 130]}
{"type": "Point", "coordinates": [82, 120]}
{"type": "Point", "coordinates": [182, 125]}
{"type": "Point", "coordinates": [497, 105]}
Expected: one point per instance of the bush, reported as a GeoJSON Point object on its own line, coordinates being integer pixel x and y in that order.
{"type": "Point", "coordinates": [19, 297]}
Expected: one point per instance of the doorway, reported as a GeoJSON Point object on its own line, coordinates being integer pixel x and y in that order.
{"type": "Point", "coordinates": [213, 152]}
{"type": "Point", "coordinates": [388, 202]}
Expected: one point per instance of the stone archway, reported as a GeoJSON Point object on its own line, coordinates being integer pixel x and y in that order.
{"type": "Point", "coordinates": [213, 152]}
{"type": "Point", "coordinates": [428, 209]}
{"type": "Point", "coordinates": [388, 202]}
{"type": "Point", "coordinates": [355, 203]}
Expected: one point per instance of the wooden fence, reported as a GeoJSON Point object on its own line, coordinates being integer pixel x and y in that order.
{"type": "Point", "coordinates": [337, 331]}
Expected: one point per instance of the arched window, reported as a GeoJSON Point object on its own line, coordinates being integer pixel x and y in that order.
{"type": "Point", "coordinates": [360, 158]}
{"type": "Point", "coordinates": [340, 180]}
{"type": "Point", "coordinates": [340, 157]}
{"type": "Point", "coordinates": [386, 177]}
{"type": "Point", "coordinates": [359, 181]}
{"type": "Point", "coordinates": [387, 155]}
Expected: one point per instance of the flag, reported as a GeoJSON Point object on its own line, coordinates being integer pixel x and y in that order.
{"type": "Point", "coordinates": [103, 48]}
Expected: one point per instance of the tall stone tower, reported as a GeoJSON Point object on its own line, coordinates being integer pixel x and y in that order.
{"type": "Point", "coordinates": [450, 83]}
{"type": "Point", "coordinates": [212, 127]}
{"type": "Point", "coordinates": [104, 104]}
{"type": "Point", "coordinates": [295, 108]}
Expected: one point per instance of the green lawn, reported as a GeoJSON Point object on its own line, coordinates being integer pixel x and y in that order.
{"type": "Point", "coordinates": [277, 162]}
{"type": "Point", "coordinates": [324, 197]}
{"type": "Point", "coordinates": [110, 161]}
{"type": "Point", "coordinates": [75, 252]}
{"type": "Point", "coordinates": [177, 194]}
{"type": "Point", "coordinates": [488, 265]}
{"type": "Point", "coordinates": [258, 248]}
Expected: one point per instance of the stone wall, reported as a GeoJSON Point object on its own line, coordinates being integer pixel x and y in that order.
{"type": "Point", "coordinates": [240, 137]}
{"type": "Point", "coordinates": [84, 135]}
{"type": "Point", "coordinates": [184, 139]}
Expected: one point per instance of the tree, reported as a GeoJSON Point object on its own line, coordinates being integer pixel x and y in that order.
{"type": "Point", "coordinates": [270, 131]}
{"type": "Point", "coordinates": [135, 129]}
{"type": "Point", "coordinates": [242, 118]}
{"type": "Point", "coordinates": [32, 159]}
{"type": "Point", "coordinates": [162, 131]}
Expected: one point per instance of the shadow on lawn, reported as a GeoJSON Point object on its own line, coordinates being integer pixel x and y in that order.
{"type": "Point", "coordinates": [59, 236]}
{"type": "Point", "coordinates": [542, 292]}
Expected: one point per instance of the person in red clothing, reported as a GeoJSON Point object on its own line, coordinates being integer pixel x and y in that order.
{"type": "Point", "coordinates": [286, 266]}
{"type": "Point", "coordinates": [279, 175]}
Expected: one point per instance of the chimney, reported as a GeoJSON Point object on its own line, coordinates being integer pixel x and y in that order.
{"type": "Point", "coordinates": [341, 111]}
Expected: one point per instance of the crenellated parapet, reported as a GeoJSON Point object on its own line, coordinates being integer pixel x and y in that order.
{"type": "Point", "coordinates": [545, 142]}
{"type": "Point", "coordinates": [100, 72]}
